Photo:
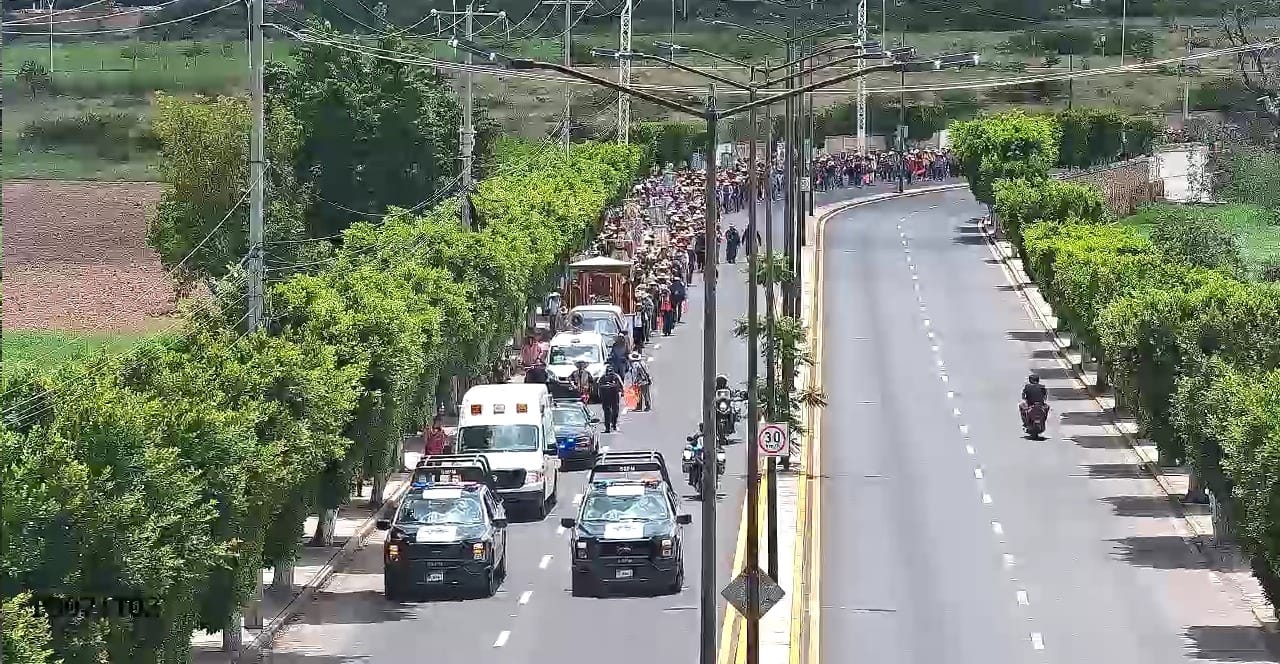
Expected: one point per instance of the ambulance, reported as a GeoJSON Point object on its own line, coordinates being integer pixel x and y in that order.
{"type": "Point", "coordinates": [511, 424]}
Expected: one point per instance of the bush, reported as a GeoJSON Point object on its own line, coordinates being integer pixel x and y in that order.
{"type": "Point", "coordinates": [1198, 241]}
{"type": "Point", "coordinates": [1019, 203]}
{"type": "Point", "coordinates": [669, 142]}
{"type": "Point", "coordinates": [109, 135]}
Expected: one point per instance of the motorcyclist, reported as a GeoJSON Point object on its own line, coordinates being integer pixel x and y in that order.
{"type": "Point", "coordinates": [537, 373]}
{"type": "Point", "coordinates": [1032, 393]}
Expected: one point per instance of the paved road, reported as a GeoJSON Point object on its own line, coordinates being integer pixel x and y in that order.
{"type": "Point", "coordinates": [947, 536]}
{"type": "Point", "coordinates": [533, 619]}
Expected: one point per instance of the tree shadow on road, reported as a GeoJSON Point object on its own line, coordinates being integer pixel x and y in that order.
{"type": "Point", "coordinates": [1159, 552]}
{"type": "Point", "coordinates": [1114, 471]}
{"type": "Point", "coordinates": [1231, 643]}
{"type": "Point", "coordinates": [1085, 418]}
{"type": "Point", "coordinates": [1142, 506]}
{"type": "Point", "coordinates": [1099, 442]}
{"type": "Point", "coordinates": [969, 239]}
{"type": "Point", "coordinates": [1027, 335]}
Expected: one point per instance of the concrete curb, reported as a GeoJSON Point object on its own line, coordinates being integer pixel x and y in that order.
{"type": "Point", "coordinates": [337, 562]}
{"type": "Point", "coordinates": [1019, 279]}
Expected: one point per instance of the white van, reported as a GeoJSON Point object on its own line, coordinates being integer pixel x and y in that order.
{"type": "Point", "coordinates": [567, 348]}
{"type": "Point", "coordinates": [606, 319]}
{"type": "Point", "coordinates": [511, 424]}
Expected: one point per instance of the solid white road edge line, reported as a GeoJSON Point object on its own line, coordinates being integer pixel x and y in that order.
{"type": "Point", "coordinates": [1037, 641]}
{"type": "Point", "coordinates": [525, 596]}
{"type": "Point", "coordinates": [546, 560]}
{"type": "Point", "coordinates": [502, 638]}
{"type": "Point", "coordinates": [1023, 599]}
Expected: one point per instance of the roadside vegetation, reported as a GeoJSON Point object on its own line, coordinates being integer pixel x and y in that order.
{"type": "Point", "coordinates": [1169, 303]}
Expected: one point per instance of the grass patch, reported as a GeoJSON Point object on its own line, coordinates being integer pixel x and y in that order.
{"type": "Point", "coordinates": [31, 151]}
{"type": "Point", "coordinates": [1254, 227]}
{"type": "Point", "coordinates": [48, 348]}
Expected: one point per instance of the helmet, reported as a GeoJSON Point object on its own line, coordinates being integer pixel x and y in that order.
{"type": "Point", "coordinates": [1033, 378]}
{"type": "Point", "coordinates": [722, 382]}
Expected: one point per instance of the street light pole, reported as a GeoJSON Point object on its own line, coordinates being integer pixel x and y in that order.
{"type": "Point", "coordinates": [753, 397]}
{"type": "Point", "coordinates": [708, 604]}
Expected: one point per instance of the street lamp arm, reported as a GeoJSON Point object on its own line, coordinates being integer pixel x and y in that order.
{"type": "Point", "coordinates": [685, 68]}
{"type": "Point", "coordinates": [710, 54]}
{"type": "Point", "coordinates": [524, 63]}
{"type": "Point", "coordinates": [837, 61]}
{"type": "Point", "coordinates": [752, 31]}
{"type": "Point", "coordinates": [817, 85]}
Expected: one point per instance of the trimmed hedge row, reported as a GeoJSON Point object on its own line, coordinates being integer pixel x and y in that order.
{"type": "Point", "coordinates": [1194, 352]}
{"type": "Point", "coordinates": [186, 465]}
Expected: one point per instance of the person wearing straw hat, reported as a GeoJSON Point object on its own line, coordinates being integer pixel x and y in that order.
{"type": "Point", "coordinates": [641, 378]}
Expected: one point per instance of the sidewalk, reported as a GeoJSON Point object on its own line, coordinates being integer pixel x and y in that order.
{"type": "Point", "coordinates": [1229, 567]}
{"type": "Point", "coordinates": [314, 567]}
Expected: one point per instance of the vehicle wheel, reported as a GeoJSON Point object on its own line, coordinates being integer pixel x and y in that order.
{"type": "Point", "coordinates": [502, 567]}
{"type": "Point", "coordinates": [540, 510]}
{"type": "Point", "coordinates": [581, 587]}
{"type": "Point", "coordinates": [491, 582]}
{"type": "Point", "coordinates": [678, 583]}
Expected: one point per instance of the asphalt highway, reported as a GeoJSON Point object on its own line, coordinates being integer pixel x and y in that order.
{"type": "Point", "coordinates": [533, 619]}
{"type": "Point", "coordinates": [947, 536]}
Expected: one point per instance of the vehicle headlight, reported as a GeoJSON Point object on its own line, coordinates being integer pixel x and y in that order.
{"type": "Point", "coordinates": [667, 547]}
{"type": "Point", "coordinates": [722, 407]}
{"type": "Point", "coordinates": [581, 549]}
{"type": "Point", "coordinates": [687, 455]}
{"type": "Point", "coordinates": [477, 550]}
{"type": "Point", "coordinates": [720, 457]}
{"type": "Point", "coordinates": [533, 477]}
{"type": "Point", "coordinates": [393, 552]}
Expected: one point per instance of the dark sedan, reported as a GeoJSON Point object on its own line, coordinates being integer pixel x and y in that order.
{"type": "Point", "coordinates": [576, 437]}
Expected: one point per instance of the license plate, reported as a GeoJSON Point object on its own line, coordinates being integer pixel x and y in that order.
{"type": "Point", "coordinates": [623, 574]}
{"type": "Point", "coordinates": [435, 577]}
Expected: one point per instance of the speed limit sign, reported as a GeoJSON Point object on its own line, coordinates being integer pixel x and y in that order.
{"type": "Point", "coordinates": [773, 440]}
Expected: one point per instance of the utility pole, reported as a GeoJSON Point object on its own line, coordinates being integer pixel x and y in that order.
{"type": "Point", "coordinates": [753, 401]}
{"type": "Point", "coordinates": [568, 61]}
{"type": "Point", "coordinates": [624, 70]}
{"type": "Point", "coordinates": [901, 134]}
{"type": "Point", "coordinates": [51, 4]}
{"type": "Point", "coordinates": [708, 603]}
{"type": "Point", "coordinates": [1124, 20]}
{"type": "Point", "coordinates": [257, 273]}
{"type": "Point", "coordinates": [467, 133]}
{"type": "Point", "coordinates": [1186, 84]}
{"type": "Point", "coordinates": [862, 82]}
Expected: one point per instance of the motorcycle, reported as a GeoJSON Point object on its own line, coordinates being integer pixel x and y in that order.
{"type": "Point", "coordinates": [727, 415]}
{"type": "Point", "coordinates": [691, 464]}
{"type": "Point", "coordinates": [1034, 418]}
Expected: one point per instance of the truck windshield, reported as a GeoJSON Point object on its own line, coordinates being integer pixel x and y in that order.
{"type": "Point", "coordinates": [498, 437]}
{"type": "Point", "coordinates": [600, 321]}
{"type": "Point", "coordinates": [462, 511]}
{"type": "Point", "coordinates": [646, 507]}
{"type": "Point", "coordinates": [572, 354]}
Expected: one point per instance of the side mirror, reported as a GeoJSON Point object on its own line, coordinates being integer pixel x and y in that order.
{"type": "Point", "coordinates": [684, 519]}
{"type": "Point", "coordinates": [383, 524]}
{"type": "Point", "coordinates": [595, 420]}
{"type": "Point", "coordinates": [499, 523]}
{"type": "Point", "coordinates": [568, 522]}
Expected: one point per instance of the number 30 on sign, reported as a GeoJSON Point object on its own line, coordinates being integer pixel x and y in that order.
{"type": "Point", "coordinates": [773, 440]}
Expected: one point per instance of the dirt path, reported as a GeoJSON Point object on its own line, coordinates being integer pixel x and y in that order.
{"type": "Point", "coordinates": [76, 258]}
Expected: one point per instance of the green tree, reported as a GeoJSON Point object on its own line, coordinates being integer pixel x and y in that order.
{"type": "Point", "coordinates": [376, 134]}
{"type": "Point", "coordinates": [34, 75]}
{"type": "Point", "coordinates": [1010, 145]}
{"type": "Point", "coordinates": [200, 227]}
{"type": "Point", "coordinates": [25, 636]}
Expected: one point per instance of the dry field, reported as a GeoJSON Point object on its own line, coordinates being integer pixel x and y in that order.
{"type": "Point", "coordinates": [76, 259]}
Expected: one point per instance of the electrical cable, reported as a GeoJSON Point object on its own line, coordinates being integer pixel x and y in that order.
{"type": "Point", "coordinates": [57, 13]}
{"type": "Point", "coordinates": [124, 30]}
{"type": "Point", "coordinates": [24, 23]}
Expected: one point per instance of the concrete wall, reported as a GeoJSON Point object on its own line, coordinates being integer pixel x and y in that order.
{"type": "Point", "coordinates": [1183, 170]}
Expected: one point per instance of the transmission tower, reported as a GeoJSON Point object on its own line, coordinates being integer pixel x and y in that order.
{"type": "Point", "coordinates": [624, 73]}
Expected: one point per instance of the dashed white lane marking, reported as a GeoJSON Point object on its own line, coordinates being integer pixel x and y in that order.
{"type": "Point", "coordinates": [986, 499]}
{"type": "Point", "coordinates": [1037, 641]}
{"type": "Point", "coordinates": [969, 450]}
{"type": "Point", "coordinates": [936, 349]}
{"type": "Point", "coordinates": [931, 334]}
{"type": "Point", "coordinates": [997, 528]}
{"type": "Point", "coordinates": [977, 473]}
{"type": "Point", "coordinates": [950, 394]}
{"type": "Point", "coordinates": [943, 376]}
{"type": "Point", "coordinates": [502, 638]}
{"type": "Point", "coordinates": [1023, 599]}
{"type": "Point", "coordinates": [559, 530]}
{"type": "Point", "coordinates": [546, 560]}
{"type": "Point", "coordinates": [926, 322]}
{"type": "Point", "coordinates": [525, 596]}
{"type": "Point", "coordinates": [914, 277]}
{"type": "Point", "coordinates": [940, 363]}
{"type": "Point", "coordinates": [1007, 559]}
{"type": "Point", "coordinates": [955, 411]}
{"type": "Point", "coordinates": [964, 429]}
